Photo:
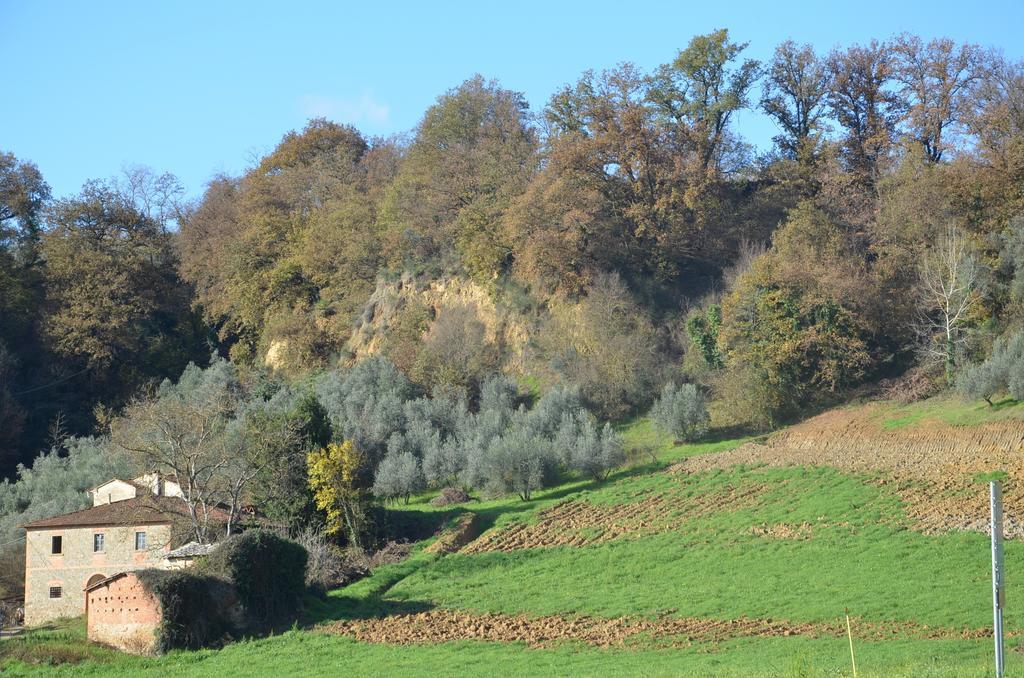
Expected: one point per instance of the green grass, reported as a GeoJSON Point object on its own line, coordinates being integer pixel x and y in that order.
{"type": "Point", "coordinates": [646, 444]}
{"type": "Point", "coordinates": [861, 555]}
{"type": "Point", "coordinates": [950, 409]}
{"type": "Point", "coordinates": [313, 654]}
{"type": "Point", "coordinates": [307, 653]}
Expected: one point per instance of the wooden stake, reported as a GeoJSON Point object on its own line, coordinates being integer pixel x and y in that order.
{"type": "Point", "coordinates": [849, 634]}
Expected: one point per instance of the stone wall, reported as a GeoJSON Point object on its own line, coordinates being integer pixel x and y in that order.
{"type": "Point", "coordinates": [77, 564]}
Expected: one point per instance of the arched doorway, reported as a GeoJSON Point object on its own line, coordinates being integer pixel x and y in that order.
{"type": "Point", "coordinates": [95, 579]}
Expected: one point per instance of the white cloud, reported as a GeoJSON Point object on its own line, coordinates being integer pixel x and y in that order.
{"type": "Point", "coordinates": [364, 110]}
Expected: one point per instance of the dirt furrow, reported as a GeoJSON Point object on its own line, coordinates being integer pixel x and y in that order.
{"type": "Point", "coordinates": [440, 626]}
{"type": "Point", "coordinates": [932, 467]}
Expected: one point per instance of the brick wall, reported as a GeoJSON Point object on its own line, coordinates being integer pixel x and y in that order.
{"type": "Point", "coordinates": [122, 614]}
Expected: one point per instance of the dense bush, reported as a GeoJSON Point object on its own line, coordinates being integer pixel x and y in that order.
{"type": "Point", "coordinates": [327, 566]}
{"type": "Point", "coordinates": [682, 412]}
{"type": "Point", "coordinates": [799, 323]}
{"type": "Point", "coordinates": [702, 328]}
{"type": "Point", "coordinates": [1002, 372]}
{"type": "Point", "coordinates": [268, 573]}
{"type": "Point", "coordinates": [455, 351]}
{"type": "Point", "coordinates": [607, 346]}
{"type": "Point", "coordinates": [1012, 258]}
{"type": "Point", "coordinates": [193, 608]}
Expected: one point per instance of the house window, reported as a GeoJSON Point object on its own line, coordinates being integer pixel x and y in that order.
{"type": "Point", "coordinates": [56, 592]}
{"type": "Point", "coordinates": [97, 542]}
{"type": "Point", "coordinates": [140, 541]}
{"type": "Point", "coordinates": [56, 544]}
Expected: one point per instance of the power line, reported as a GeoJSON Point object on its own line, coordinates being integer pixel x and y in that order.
{"type": "Point", "coordinates": [8, 543]}
{"type": "Point", "coordinates": [52, 383]}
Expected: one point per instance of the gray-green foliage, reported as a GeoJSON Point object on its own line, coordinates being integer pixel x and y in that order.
{"type": "Point", "coordinates": [461, 458]}
{"type": "Point", "coordinates": [57, 483]}
{"type": "Point", "coordinates": [546, 416]}
{"type": "Point", "coordinates": [519, 461]}
{"type": "Point", "coordinates": [437, 440]}
{"type": "Point", "coordinates": [399, 474]}
{"type": "Point", "coordinates": [586, 448]}
{"type": "Point", "coordinates": [1002, 372]}
{"type": "Point", "coordinates": [475, 438]}
{"type": "Point", "coordinates": [366, 404]}
{"type": "Point", "coordinates": [682, 411]}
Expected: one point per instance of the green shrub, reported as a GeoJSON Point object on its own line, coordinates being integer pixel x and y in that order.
{"type": "Point", "coordinates": [268, 573]}
{"type": "Point", "coordinates": [702, 329]}
{"type": "Point", "coordinates": [193, 608]}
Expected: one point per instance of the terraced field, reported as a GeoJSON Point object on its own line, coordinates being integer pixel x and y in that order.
{"type": "Point", "coordinates": [730, 558]}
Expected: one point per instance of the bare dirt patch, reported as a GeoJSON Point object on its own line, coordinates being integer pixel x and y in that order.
{"type": "Point", "coordinates": [465, 530]}
{"type": "Point", "coordinates": [783, 531]}
{"type": "Point", "coordinates": [932, 467]}
{"type": "Point", "coordinates": [440, 626]}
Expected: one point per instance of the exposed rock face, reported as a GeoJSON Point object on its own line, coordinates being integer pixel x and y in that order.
{"type": "Point", "coordinates": [276, 355]}
{"type": "Point", "coordinates": [503, 327]}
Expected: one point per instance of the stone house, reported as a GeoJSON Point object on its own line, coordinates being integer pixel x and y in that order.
{"type": "Point", "coordinates": [132, 525]}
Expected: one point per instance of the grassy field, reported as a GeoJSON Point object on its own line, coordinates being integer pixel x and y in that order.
{"type": "Point", "coordinates": [709, 547]}
{"type": "Point", "coordinates": [952, 410]}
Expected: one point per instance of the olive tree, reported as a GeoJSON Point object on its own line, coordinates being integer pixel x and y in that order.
{"type": "Point", "coordinates": [399, 475]}
{"type": "Point", "coordinates": [588, 449]}
{"type": "Point", "coordinates": [518, 461]}
{"type": "Point", "coordinates": [682, 412]}
{"type": "Point", "coordinates": [1002, 372]}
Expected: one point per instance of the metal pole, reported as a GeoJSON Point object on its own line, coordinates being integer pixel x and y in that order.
{"type": "Point", "coordinates": [849, 634]}
{"type": "Point", "coordinates": [998, 591]}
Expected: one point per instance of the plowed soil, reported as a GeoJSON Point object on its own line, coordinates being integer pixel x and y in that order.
{"type": "Point", "coordinates": [450, 540]}
{"type": "Point", "coordinates": [580, 523]}
{"type": "Point", "coordinates": [439, 626]}
{"type": "Point", "coordinates": [932, 467]}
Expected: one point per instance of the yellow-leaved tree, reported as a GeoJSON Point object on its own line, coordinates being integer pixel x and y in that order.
{"type": "Point", "coordinates": [336, 477]}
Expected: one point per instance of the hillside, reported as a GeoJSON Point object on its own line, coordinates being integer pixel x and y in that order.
{"type": "Point", "coordinates": [735, 557]}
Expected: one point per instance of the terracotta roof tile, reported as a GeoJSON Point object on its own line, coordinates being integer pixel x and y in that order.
{"type": "Point", "coordinates": [137, 511]}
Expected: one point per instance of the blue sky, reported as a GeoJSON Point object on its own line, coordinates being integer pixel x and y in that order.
{"type": "Point", "coordinates": [197, 88]}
